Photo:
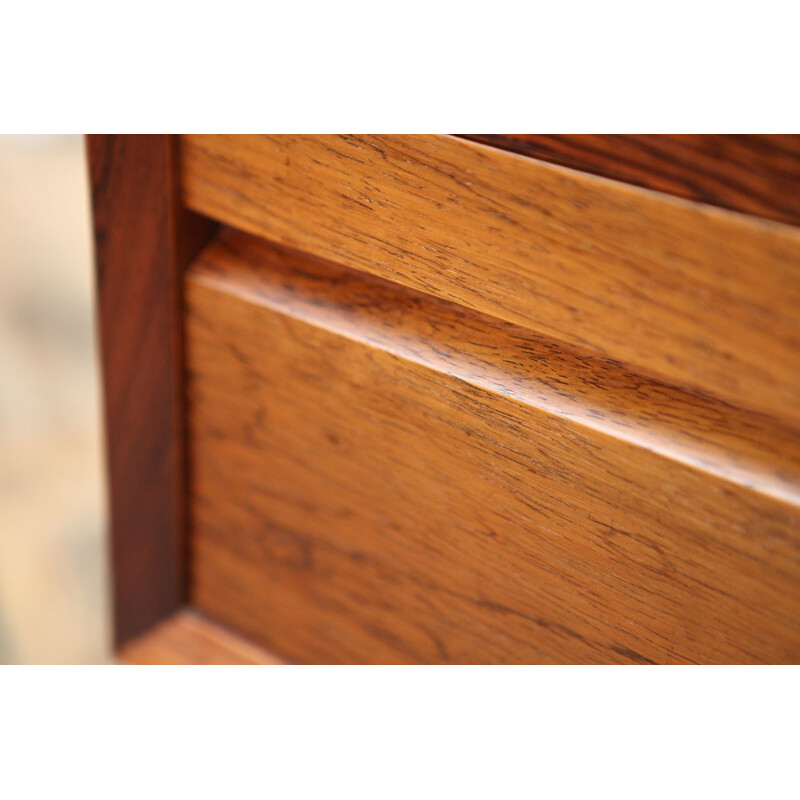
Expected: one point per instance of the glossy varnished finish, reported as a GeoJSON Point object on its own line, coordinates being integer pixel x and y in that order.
{"type": "Point", "coordinates": [143, 239]}
{"type": "Point", "coordinates": [755, 174]}
{"type": "Point", "coordinates": [705, 298]}
{"type": "Point", "coordinates": [381, 476]}
{"type": "Point", "coordinates": [519, 413]}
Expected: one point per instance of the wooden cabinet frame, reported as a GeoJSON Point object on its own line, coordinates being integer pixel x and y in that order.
{"type": "Point", "coordinates": [143, 241]}
{"type": "Point", "coordinates": [146, 237]}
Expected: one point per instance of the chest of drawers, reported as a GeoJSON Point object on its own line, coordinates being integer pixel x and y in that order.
{"type": "Point", "coordinates": [440, 399]}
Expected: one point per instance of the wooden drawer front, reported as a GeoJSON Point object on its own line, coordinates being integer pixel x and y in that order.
{"type": "Point", "coordinates": [377, 475]}
{"type": "Point", "coordinates": [425, 399]}
{"type": "Point", "coordinates": [704, 297]}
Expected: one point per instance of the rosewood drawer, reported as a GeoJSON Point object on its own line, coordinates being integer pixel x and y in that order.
{"type": "Point", "coordinates": [439, 399]}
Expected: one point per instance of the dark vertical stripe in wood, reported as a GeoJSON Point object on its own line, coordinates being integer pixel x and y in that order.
{"type": "Point", "coordinates": [143, 239]}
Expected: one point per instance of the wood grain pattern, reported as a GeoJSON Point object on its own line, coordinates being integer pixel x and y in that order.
{"type": "Point", "coordinates": [143, 240]}
{"type": "Point", "coordinates": [187, 638]}
{"type": "Point", "coordinates": [705, 298]}
{"type": "Point", "coordinates": [753, 174]}
{"type": "Point", "coordinates": [378, 476]}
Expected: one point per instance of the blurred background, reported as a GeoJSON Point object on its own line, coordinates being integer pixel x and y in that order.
{"type": "Point", "coordinates": [53, 571]}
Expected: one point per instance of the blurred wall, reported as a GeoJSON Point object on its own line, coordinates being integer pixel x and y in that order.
{"type": "Point", "coordinates": [53, 576]}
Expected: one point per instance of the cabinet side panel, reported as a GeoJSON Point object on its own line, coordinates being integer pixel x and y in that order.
{"type": "Point", "coordinates": [142, 241]}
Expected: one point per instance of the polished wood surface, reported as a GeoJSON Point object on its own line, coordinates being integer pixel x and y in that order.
{"type": "Point", "coordinates": [754, 174]}
{"type": "Point", "coordinates": [380, 476]}
{"type": "Point", "coordinates": [742, 447]}
{"type": "Point", "coordinates": [438, 402]}
{"type": "Point", "coordinates": [143, 240]}
{"type": "Point", "coordinates": [704, 298]}
{"type": "Point", "coordinates": [189, 638]}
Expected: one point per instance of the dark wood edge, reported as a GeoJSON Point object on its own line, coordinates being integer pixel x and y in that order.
{"type": "Point", "coordinates": [752, 174]}
{"type": "Point", "coordinates": [143, 240]}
